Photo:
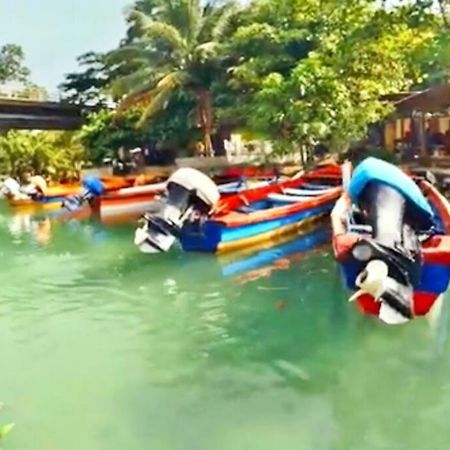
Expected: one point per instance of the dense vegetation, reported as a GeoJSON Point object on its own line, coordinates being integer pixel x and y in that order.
{"type": "Point", "coordinates": [56, 155]}
{"type": "Point", "coordinates": [295, 72]}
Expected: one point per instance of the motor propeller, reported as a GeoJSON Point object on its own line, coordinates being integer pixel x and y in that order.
{"type": "Point", "coordinates": [395, 299]}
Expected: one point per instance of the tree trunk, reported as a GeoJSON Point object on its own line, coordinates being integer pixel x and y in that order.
{"type": "Point", "coordinates": [206, 118]}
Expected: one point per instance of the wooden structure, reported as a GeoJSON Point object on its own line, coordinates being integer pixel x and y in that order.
{"type": "Point", "coordinates": [416, 114]}
{"type": "Point", "coordinates": [39, 115]}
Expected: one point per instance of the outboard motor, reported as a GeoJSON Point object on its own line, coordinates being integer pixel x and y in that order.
{"type": "Point", "coordinates": [391, 257]}
{"type": "Point", "coordinates": [93, 188]}
{"type": "Point", "coordinates": [188, 192]}
{"type": "Point", "coordinates": [11, 188]}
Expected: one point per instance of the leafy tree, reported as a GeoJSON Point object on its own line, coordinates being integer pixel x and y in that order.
{"type": "Point", "coordinates": [176, 46]}
{"type": "Point", "coordinates": [430, 16]}
{"type": "Point", "coordinates": [57, 155]}
{"type": "Point", "coordinates": [12, 64]}
{"type": "Point", "coordinates": [314, 72]}
{"type": "Point", "coordinates": [106, 132]}
{"type": "Point", "coordinates": [88, 86]}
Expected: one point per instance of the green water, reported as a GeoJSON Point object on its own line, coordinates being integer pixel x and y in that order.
{"type": "Point", "coordinates": [106, 349]}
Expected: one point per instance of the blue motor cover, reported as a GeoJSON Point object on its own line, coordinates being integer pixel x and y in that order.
{"type": "Point", "coordinates": [373, 170]}
{"type": "Point", "coordinates": [94, 185]}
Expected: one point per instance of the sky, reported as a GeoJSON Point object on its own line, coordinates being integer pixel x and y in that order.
{"type": "Point", "coordinates": [53, 33]}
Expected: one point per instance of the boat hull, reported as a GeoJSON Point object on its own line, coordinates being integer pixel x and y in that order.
{"type": "Point", "coordinates": [130, 203]}
{"type": "Point", "coordinates": [127, 202]}
{"type": "Point", "coordinates": [217, 237]}
{"type": "Point", "coordinates": [435, 270]}
{"type": "Point", "coordinates": [234, 229]}
{"type": "Point", "coordinates": [56, 194]}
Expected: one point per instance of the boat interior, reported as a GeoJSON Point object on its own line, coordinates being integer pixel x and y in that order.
{"type": "Point", "coordinates": [287, 197]}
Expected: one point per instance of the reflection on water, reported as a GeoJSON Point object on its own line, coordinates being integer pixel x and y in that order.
{"type": "Point", "coordinates": [104, 348]}
{"type": "Point", "coordinates": [21, 225]}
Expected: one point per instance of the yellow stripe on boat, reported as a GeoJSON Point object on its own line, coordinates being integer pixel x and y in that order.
{"type": "Point", "coordinates": [268, 236]}
{"type": "Point", "coordinates": [286, 237]}
{"type": "Point", "coordinates": [31, 205]}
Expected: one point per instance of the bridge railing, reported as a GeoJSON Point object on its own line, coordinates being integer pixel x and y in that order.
{"type": "Point", "coordinates": [37, 96]}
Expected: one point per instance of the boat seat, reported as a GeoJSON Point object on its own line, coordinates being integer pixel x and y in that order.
{"type": "Point", "coordinates": [286, 198]}
{"type": "Point", "coordinates": [317, 187]}
{"type": "Point", "coordinates": [307, 192]}
{"type": "Point", "coordinates": [246, 209]}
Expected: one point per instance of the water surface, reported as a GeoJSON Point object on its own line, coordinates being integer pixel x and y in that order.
{"type": "Point", "coordinates": [107, 349]}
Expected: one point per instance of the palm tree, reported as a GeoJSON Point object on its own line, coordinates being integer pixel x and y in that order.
{"type": "Point", "coordinates": [173, 45]}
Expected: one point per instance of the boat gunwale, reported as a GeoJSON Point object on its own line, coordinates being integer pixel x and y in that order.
{"type": "Point", "coordinates": [233, 202]}
{"type": "Point", "coordinates": [237, 219]}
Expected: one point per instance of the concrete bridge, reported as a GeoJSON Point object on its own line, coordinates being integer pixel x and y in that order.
{"type": "Point", "coordinates": [39, 115]}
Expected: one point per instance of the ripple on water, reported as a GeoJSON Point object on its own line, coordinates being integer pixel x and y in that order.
{"type": "Point", "coordinates": [103, 335]}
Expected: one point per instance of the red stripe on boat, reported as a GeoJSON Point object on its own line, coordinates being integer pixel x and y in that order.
{"type": "Point", "coordinates": [423, 301]}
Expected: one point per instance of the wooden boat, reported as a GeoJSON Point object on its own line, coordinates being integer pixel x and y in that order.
{"type": "Point", "coordinates": [241, 220]}
{"type": "Point", "coordinates": [134, 201]}
{"type": "Point", "coordinates": [260, 215]}
{"type": "Point", "coordinates": [50, 197]}
{"type": "Point", "coordinates": [130, 203]}
{"type": "Point", "coordinates": [391, 236]}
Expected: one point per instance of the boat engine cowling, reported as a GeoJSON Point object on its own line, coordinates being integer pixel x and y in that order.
{"type": "Point", "coordinates": [92, 188]}
{"type": "Point", "coordinates": [11, 188]}
{"type": "Point", "coordinates": [188, 192]}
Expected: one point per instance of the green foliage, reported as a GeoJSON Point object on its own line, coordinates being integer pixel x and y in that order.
{"type": "Point", "coordinates": [175, 46]}
{"type": "Point", "coordinates": [430, 16]}
{"type": "Point", "coordinates": [435, 61]}
{"type": "Point", "coordinates": [57, 155]}
{"type": "Point", "coordinates": [12, 64]}
{"type": "Point", "coordinates": [297, 72]}
{"type": "Point", "coordinates": [88, 86]}
{"type": "Point", "coordinates": [106, 132]}
{"type": "Point", "coordinates": [346, 55]}
{"type": "Point", "coordinates": [5, 429]}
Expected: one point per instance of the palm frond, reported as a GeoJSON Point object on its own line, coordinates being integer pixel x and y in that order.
{"type": "Point", "coordinates": [131, 51]}
{"type": "Point", "coordinates": [194, 19]}
{"type": "Point", "coordinates": [159, 30]}
{"type": "Point", "coordinates": [148, 93]}
{"type": "Point", "coordinates": [160, 95]}
{"type": "Point", "coordinates": [129, 82]}
{"type": "Point", "coordinates": [216, 21]}
{"type": "Point", "coordinates": [223, 22]}
{"type": "Point", "coordinates": [184, 15]}
{"type": "Point", "coordinates": [206, 51]}
{"type": "Point", "coordinates": [137, 96]}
